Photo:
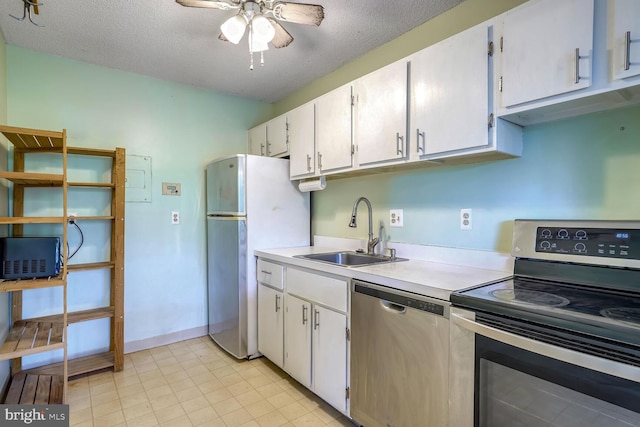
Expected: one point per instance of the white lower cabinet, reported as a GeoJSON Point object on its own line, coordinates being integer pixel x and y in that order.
{"type": "Point", "coordinates": [315, 343]}
{"type": "Point", "coordinates": [329, 356]}
{"type": "Point", "coordinates": [271, 311]}
{"type": "Point", "coordinates": [271, 324]}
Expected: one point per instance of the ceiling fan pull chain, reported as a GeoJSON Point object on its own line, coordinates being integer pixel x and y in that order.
{"type": "Point", "coordinates": [262, 59]}
{"type": "Point", "coordinates": [250, 40]}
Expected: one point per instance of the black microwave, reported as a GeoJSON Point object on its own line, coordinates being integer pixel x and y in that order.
{"type": "Point", "coordinates": [29, 257]}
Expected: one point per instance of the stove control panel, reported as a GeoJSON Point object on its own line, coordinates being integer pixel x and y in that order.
{"type": "Point", "coordinates": [598, 242]}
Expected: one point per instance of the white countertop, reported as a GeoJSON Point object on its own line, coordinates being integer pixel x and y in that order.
{"type": "Point", "coordinates": [432, 279]}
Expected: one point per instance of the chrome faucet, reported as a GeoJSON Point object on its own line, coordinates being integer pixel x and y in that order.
{"type": "Point", "coordinates": [371, 244]}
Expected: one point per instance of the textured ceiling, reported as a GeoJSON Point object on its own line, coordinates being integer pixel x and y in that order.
{"type": "Point", "coordinates": [163, 39]}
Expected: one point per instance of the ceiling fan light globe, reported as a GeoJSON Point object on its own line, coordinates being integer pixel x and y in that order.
{"type": "Point", "coordinates": [262, 30]}
{"type": "Point", "coordinates": [234, 28]}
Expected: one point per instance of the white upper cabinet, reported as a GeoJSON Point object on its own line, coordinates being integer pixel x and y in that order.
{"type": "Point", "coordinates": [380, 118]}
{"type": "Point", "coordinates": [277, 137]}
{"type": "Point", "coordinates": [258, 140]}
{"type": "Point", "coordinates": [302, 141]}
{"type": "Point", "coordinates": [334, 143]}
{"type": "Point", "coordinates": [451, 76]}
{"type": "Point", "coordinates": [624, 38]}
{"type": "Point", "coordinates": [547, 49]}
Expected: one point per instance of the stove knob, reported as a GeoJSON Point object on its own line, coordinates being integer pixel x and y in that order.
{"type": "Point", "coordinates": [580, 247]}
{"type": "Point", "coordinates": [563, 234]}
{"type": "Point", "coordinates": [581, 234]}
{"type": "Point", "coordinates": [546, 233]}
{"type": "Point", "coordinates": [545, 245]}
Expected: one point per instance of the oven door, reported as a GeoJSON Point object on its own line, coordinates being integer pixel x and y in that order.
{"type": "Point", "coordinates": [499, 378]}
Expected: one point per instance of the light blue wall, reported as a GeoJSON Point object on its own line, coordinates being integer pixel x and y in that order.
{"type": "Point", "coordinates": [181, 128]}
{"type": "Point", "coordinates": [584, 167]}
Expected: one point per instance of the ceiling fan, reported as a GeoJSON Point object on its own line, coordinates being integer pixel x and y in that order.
{"type": "Point", "coordinates": [261, 18]}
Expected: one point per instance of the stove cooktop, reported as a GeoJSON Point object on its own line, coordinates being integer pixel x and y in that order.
{"type": "Point", "coordinates": [594, 311]}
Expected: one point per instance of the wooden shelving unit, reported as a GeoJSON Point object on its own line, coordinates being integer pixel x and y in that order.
{"type": "Point", "coordinates": [114, 357]}
{"type": "Point", "coordinates": [30, 385]}
{"type": "Point", "coordinates": [28, 337]}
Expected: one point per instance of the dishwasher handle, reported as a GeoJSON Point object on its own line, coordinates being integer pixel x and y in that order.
{"type": "Point", "coordinates": [397, 301]}
{"type": "Point", "coordinates": [392, 307]}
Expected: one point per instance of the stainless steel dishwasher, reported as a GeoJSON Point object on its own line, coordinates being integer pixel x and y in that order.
{"type": "Point", "coordinates": [399, 357]}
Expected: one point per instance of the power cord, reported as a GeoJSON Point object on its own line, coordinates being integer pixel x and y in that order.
{"type": "Point", "coordinates": [73, 222]}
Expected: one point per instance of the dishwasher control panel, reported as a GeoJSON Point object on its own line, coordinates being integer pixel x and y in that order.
{"type": "Point", "coordinates": [400, 298]}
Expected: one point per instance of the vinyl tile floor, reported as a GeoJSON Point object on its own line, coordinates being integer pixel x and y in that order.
{"type": "Point", "coordinates": [195, 383]}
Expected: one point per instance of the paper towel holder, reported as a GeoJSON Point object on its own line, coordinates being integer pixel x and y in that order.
{"type": "Point", "coordinates": [312, 184]}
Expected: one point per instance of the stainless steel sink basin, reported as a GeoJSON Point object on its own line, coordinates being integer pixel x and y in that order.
{"type": "Point", "coordinates": [350, 259]}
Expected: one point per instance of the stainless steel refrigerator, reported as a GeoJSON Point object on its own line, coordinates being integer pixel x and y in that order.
{"type": "Point", "coordinates": [251, 204]}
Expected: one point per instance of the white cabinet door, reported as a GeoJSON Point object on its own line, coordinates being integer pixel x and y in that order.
{"type": "Point", "coordinates": [271, 324]}
{"type": "Point", "coordinates": [297, 358]}
{"type": "Point", "coordinates": [302, 141]}
{"type": "Point", "coordinates": [334, 142]}
{"type": "Point", "coordinates": [451, 76]}
{"type": "Point", "coordinates": [547, 49]}
{"type": "Point", "coordinates": [380, 121]}
{"type": "Point", "coordinates": [624, 38]}
{"type": "Point", "coordinates": [330, 356]}
{"type": "Point", "coordinates": [258, 140]}
{"type": "Point", "coordinates": [277, 142]}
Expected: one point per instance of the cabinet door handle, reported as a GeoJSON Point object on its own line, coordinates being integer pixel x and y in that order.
{"type": "Point", "coordinates": [576, 80]}
{"type": "Point", "coordinates": [277, 303]}
{"type": "Point", "coordinates": [268, 148]}
{"type": "Point", "coordinates": [304, 314]}
{"type": "Point", "coordinates": [418, 136]}
{"type": "Point", "coordinates": [308, 163]}
{"type": "Point", "coordinates": [316, 322]}
{"type": "Point", "coordinates": [262, 149]}
{"type": "Point", "coordinates": [399, 143]}
{"type": "Point", "coordinates": [319, 160]}
{"type": "Point", "coordinates": [627, 50]}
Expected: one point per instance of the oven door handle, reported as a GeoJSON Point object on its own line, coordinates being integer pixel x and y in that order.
{"type": "Point", "coordinates": [587, 361]}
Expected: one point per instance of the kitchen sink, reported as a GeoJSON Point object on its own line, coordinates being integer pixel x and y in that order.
{"type": "Point", "coordinates": [350, 259]}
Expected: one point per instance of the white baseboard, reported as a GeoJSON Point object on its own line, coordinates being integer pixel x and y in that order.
{"type": "Point", "coordinates": [157, 341]}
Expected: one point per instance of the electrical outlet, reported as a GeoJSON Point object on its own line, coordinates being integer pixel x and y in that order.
{"type": "Point", "coordinates": [465, 219]}
{"type": "Point", "coordinates": [175, 217]}
{"type": "Point", "coordinates": [396, 218]}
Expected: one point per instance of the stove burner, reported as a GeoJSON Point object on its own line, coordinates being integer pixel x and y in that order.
{"type": "Point", "coordinates": [530, 297]}
{"type": "Point", "coordinates": [623, 314]}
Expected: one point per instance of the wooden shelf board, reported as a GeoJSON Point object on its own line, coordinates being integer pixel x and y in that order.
{"type": "Point", "coordinates": [94, 218]}
{"type": "Point", "coordinates": [90, 266]}
{"type": "Point", "coordinates": [27, 337]}
{"type": "Point", "coordinates": [33, 179]}
{"type": "Point", "coordinates": [31, 220]}
{"type": "Point", "coordinates": [35, 389]}
{"type": "Point", "coordinates": [22, 285]}
{"type": "Point", "coordinates": [91, 184]}
{"type": "Point", "coordinates": [77, 316]}
{"type": "Point", "coordinates": [35, 139]}
{"type": "Point", "coordinates": [91, 152]}
{"type": "Point", "coordinates": [78, 366]}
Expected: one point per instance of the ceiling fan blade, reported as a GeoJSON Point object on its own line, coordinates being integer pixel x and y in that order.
{"type": "Point", "coordinates": [299, 13]}
{"type": "Point", "coordinates": [223, 5]}
{"type": "Point", "coordinates": [282, 37]}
